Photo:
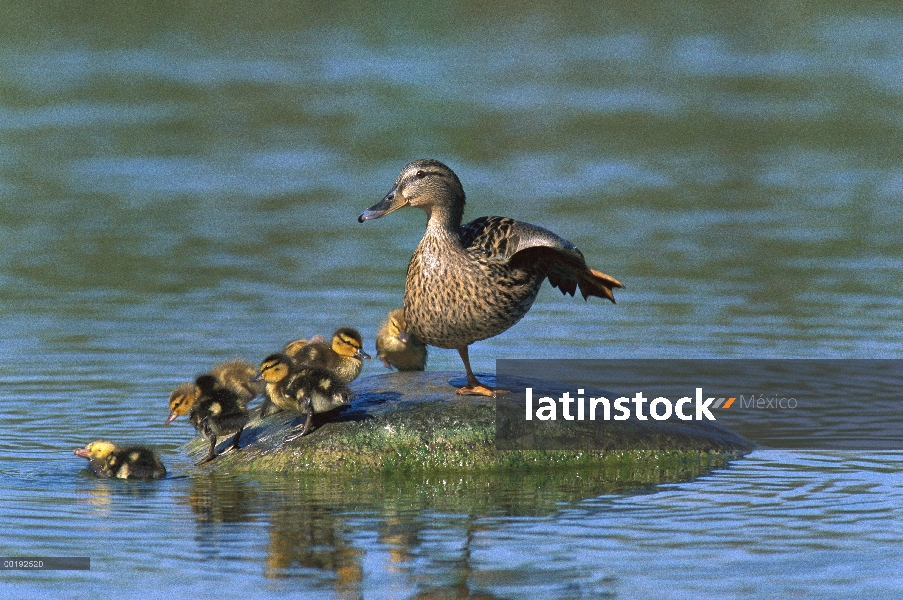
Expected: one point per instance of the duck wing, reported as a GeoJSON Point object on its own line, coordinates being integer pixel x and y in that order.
{"type": "Point", "coordinates": [526, 246]}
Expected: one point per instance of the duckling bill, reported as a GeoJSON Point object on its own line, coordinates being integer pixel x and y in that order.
{"type": "Point", "coordinates": [108, 461]}
{"type": "Point", "coordinates": [472, 282]}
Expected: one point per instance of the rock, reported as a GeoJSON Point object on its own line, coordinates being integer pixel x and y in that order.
{"type": "Point", "coordinates": [406, 422]}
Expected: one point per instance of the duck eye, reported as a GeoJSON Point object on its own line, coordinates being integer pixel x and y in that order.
{"type": "Point", "coordinates": [420, 174]}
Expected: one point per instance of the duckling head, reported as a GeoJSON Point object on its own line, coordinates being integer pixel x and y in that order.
{"type": "Point", "coordinates": [427, 184]}
{"type": "Point", "coordinates": [97, 450]}
{"type": "Point", "coordinates": [397, 326]}
{"type": "Point", "coordinates": [348, 342]}
{"type": "Point", "coordinates": [182, 400]}
{"type": "Point", "coordinates": [275, 368]}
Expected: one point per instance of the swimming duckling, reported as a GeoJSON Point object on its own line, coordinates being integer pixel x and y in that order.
{"type": "Point", "coordinates": [213, 409]}
{"type": "Point", "coordinates": [131, 462]}
{"type": "Point", "coordinates": [472, 282]}
{"type": "Point", "coordinates": [396, 347]}
{"type": "Point", "coordinates": [313, 390]}
{"type": "Point", "coordinates": [343, 356]}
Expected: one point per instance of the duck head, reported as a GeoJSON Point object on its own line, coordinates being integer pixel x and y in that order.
{"type": "Point", "coordinates": [398, 327]}
{"type": "Point", "coordinates": [181, 401]}
{"type": "Point", "coordinates": [275, 368]}
{"type": "Point", "coordinates": [348, 342]}
{"type": "Point", "coordinates": [426, 184]}
{"type": "Point", "coordinates": [97, 450]}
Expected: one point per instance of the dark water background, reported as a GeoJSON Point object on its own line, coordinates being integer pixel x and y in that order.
{"type": "Point", "coordinates": [179, 184]}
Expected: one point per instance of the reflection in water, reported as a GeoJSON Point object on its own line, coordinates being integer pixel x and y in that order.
{"type": "Point", "coordinates": [179, 184]}
{"type": "Point", "coordinates": [425, 525]}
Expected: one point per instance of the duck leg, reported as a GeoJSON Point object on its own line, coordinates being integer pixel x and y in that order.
{"type": "Point", "coordinates": [212, 454]}
{"type": "Point", "coordinates": [307, 422]}
{"type": "Point", "coordinates": [474, 387]}
{"type": "Point", "coordinates": [234, 444]}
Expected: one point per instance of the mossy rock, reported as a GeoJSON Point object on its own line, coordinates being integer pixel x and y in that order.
{"type": "Point", "coordinates": [414, 422]}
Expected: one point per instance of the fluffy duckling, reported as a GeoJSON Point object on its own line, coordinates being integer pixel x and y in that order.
{"type": "Point", "coordinates": [472, 282]}
{"type": "Point", "coordinates": [313, 390]}
{"type": "Point", "coordinates": [132, 462]}
{"type": "Point", "coordinates": [294, 347]}
{"type": "Point", "coordinates": [237, 376]}
{"type": "Point", "coordinates": [343, 357]}
{"type": "Point", "coordinates": [396, 347]}
{"type": "Point", "coordinates": [213, 409]}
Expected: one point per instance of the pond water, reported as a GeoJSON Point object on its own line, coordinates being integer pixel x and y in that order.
{"type": "Point", "coordinates": [179, 185]}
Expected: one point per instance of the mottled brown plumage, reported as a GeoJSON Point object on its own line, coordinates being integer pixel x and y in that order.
{"type": "Point", "coordinates": [469, 283]}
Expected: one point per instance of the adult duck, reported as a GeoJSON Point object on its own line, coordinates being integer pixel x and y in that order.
{"type": "Point", "coordinates": [472, 282]}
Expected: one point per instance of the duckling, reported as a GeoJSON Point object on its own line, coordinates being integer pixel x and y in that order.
{"type": "Point", "coordinates": [313, 390]}
{"type": "Point", "coordinates": [294, 347]}
{"type": "Point", "coordinates": [106, 460]}
{"type": "Point", "coordinates": [274, 372]}
{"type": "Point", "coordinates": [343, 357]}
{"type": "Point", "coordinates": [472, 282]}
{"type": "Point", "coordinates": [237, 376]}
{"type": "Point", "coordinates": [213, 409]}
{"type": "Point", "coordinates": [396, 347]}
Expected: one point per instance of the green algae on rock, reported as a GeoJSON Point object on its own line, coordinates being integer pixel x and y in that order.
{"type": "Point", "coordinates": [414, 421]}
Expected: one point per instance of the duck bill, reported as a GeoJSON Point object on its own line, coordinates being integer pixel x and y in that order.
{"type": "Point", "coordinates": [171, 418]}
{"type": "Point", "coordinates": [361, 354]}
{"type": "Point", "coordinates": [403, 337]}
{"type": "Point", "coordinates": [392, 202]}
{"type": "Point", "coordinates": [83, 452]}
{"type": "Point", "coordinates": [256, 378]}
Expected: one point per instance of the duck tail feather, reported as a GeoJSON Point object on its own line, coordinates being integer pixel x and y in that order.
{"type": "Point", "coordinates": [597, 283]}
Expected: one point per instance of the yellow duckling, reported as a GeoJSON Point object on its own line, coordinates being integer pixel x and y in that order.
{"type": "Point", "coordinates": [213, 409]}
{"type": "Point", "coordinates": [343, 357]}
{"type": "Point", "coordinates": [470, 282]}
{"type": "Point", "coordinates": [398, 348]}
{"type": "Point", "coordinates": [313, 390]}
{"type": "Point", "coordinates": [131, 462]}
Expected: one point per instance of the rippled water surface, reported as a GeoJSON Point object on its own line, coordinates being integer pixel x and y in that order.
{"type": "Point", "coordinates": [179, 185]}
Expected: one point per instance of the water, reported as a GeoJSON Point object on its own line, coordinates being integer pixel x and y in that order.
{"type": "Point", "coordinates": [180, 185]}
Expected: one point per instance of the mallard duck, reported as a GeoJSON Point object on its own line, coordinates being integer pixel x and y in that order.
{"type": "Point", "coordinates": [472, 282]}
{"type": "Point", "coordinates": [213, 409]}
{"type": "Point", "coordinates": [313, 390]}
{"type": "Point", "coordinates": [395, 347]}
{"type": "Point", "coordinates": [343, 356]}
{"type": "Point", "coordinates": [132, 462]}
